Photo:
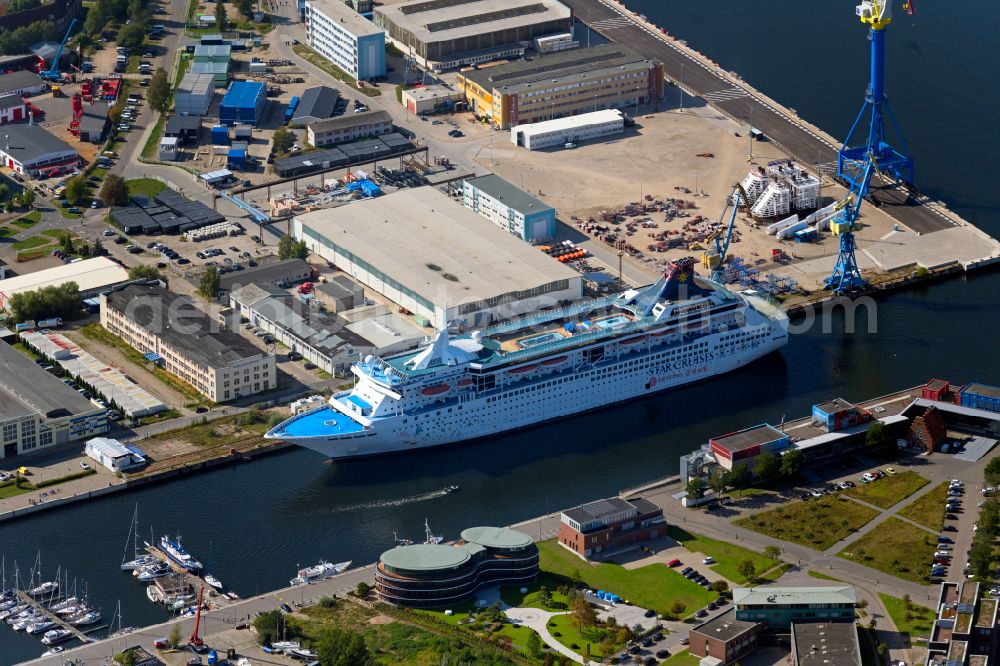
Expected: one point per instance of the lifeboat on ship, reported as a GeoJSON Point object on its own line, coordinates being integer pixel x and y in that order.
{"type": "Point", "coordinates": [633, 341]}
{"type": "Point", "coordinates": [523, 369]}
{"type": "Point", "coordinates": [554, 361]}
{"type": "Point", "coordinates": [467, 381]}
{"type": "Point", "coordinates": [437, 389]}
{"type": "Point", "coordinates": [659, 334]}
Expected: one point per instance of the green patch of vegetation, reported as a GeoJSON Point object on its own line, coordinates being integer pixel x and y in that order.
{"type": "Point", "coordinates": [146, 187]}
{"type": "Point", "coordinates": [10, 489]}
{"type": "Point", "coordinates": [165, 415]}
{"type": "Point", "coordinates": [655, 586]}
{"type": "Point", "coordinates": [333, 70]}
{"type": "Point", "coordinates": [910, 619]}
{"type": "Point", "coordinates": [7, 232]}
{"type": "Point", "coordinates": [32, 242]}
{"type": "Point", "coordinates": [771, 575]}
{"type": "Point", "coordinates": [565, 630]}
{"type": "Point", "coordinates": [890, 490]}
{"type": "Point", "coordinates": [58, 234]}
{"type": "Point", "coordinates": [63, 479]}
{"type": "Point", "coordinates": [928, 510]}
{"type": "Point", "coordinates": [29, 220]}
{"type": "Point", "coordinates": [823, 576]}
{"type": "Point", "coordinates": [727, 555]}
{"type": "Point", "coordinates": [897, 548]}
{"type": "Point", "coordinates": [149, 148]}
{"type": "Point", "coordinates": [27, 351]}
{"type": "Point", "coordinates": [682, 659]}
{"type": "Point", "coordinates": [219, 432]}
{"type": "Point", "coordinates": [818, 523]}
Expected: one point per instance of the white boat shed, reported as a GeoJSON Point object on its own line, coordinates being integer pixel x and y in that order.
{"type": "Point", "coordinates": [112, 454]}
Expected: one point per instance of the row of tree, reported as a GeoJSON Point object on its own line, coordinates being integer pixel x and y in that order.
{"type": "Point", "coordinates": [47, 302]}
{"type": "Point", "coordinates": [18, 40]}
{"type": "Point", "coordinates": [289, 248]}
{"type": "Point", "coordinates": [768, 468]}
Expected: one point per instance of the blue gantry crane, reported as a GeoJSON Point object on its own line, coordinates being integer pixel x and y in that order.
{"type": "Point", "coordinates": [53, 73]}
{"type": "Point", "coordinates": [714, 257]}
{"type": "Point", "coordinates": [856, 164]}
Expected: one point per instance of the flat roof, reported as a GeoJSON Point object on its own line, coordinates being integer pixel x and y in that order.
{"type": "Point", "coordinates": [983, 390]}
{"type": "Point", "coordinates": [598, 509]}
{"type": "Point", "coordinates": [833, 406]}
{"type": "Point", "coordinates": [348, 121]}
{"type": "Point", "coordinates": [446, 20]}
{"type": "Point", "coordinates": [29, 142]}
{"type": "Point", "coordinates": [571, 122]}
{"type": "Point", "coordinates": [580, 62]}
{"type": "Point", "coordinates": [89, 274]}
{"type": "Point", "coordinates": [418, 236]}
{"type": "Point", "coordinates": [188, 329]}
{"type": "Point", "coordinates": [826, 644]}
{"type": "Point", "coordinates": [28, 389]}
{"type": "Point", "coordinates": [275, 271]}
{"type": "Point", "coordinates": [196, 84]}
{"type": "Point", "coordinates": [350, 20]}
{"type": "Point", "coordinates": [744, 439]}
{"type": "Point", "coordinates": [496, 537]}
{"type": "Point", "coordinates": [387, 330]}
{"type": "Point", "coordinates": [435, 91]}
{"type": "Point", "coordinates": [777, 596]}
{"type": "Point", "coordinates": [511, 196]}
{"type": "Point", "coordinates": [425, 557]}
{"type": "Point", "coordinates": [244, 94]}
{"type": "Point", "coordinates": [724, 627]}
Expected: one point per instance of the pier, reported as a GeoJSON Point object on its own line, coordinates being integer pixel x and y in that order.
{"type": "Point", "coordinates": [59, 623]}
{"type": "Point", "coordinates": [184, 580]}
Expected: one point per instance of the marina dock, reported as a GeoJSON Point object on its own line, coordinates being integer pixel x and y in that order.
{"type": "Point", "coordinates": [55, 619]}
{"type": "Point", "coordinates": [184, 582]}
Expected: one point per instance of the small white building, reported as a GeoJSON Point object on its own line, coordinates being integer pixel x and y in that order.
{"type": "Point", "coordinates": [112, 454]}
{"type": "Point", "coordinates": [168, 148]}
{"type": "Point", "coordinates": [553, 43]}
{"type": "Point", "coordinates": [562, 131]}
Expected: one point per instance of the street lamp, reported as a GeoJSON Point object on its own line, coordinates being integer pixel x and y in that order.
{"type": "Point", "coordinates": [680, 87]}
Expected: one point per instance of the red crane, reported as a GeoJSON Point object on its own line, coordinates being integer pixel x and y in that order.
{"type": "Point", "coordinates": [195, 639]}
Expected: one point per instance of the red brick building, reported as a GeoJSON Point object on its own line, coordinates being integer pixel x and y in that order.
{"type": "Point", "coordinates": [928, 430]}
{"type": "Point", "coordinates": [725, 638]}
{"type": "Point", "coordinates": [610, 524]}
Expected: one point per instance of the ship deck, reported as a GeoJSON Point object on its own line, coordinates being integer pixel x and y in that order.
{"type": "Point", "coordinates": [558, 330]}
{"type": "Point", "coordinates": [325, 422]}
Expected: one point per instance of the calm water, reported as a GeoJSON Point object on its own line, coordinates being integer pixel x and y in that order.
{"type": "Point", "coordinates": [259, 520]}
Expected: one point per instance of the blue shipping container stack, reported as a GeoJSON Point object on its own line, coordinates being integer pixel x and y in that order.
{"type": "Point", "coordinates": [244, 102]}
{"type": "Point", "coordinates": [220, 135]}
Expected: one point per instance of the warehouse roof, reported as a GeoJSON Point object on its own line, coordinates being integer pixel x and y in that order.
{"type": "Point", "coordinates": [284, 270]}
{"type": "Point", "coordinates": [188, 329]}
{"type": "Point", "coordinates": [27, 389]}
{"type": "Point", "coordinates": [89, 274]}
{"type": "Point", "coordinates": [826, 643]}
{"type": "Point", "coordinates": [17, 80]}
{"type": "Point", "coordinates": [108, 447]}
{"type": "Point", "coordinates": [442, 251]}
{"type": "Point", "coordinates": [341, 286]}
{"type": "Point", "coordinates": [26, 143]}
{"type": "Point", "coordinates": [570, 122]}
{"type": "Point", "coordinates": [316, 104]}
{"type": "Point", "coordinates": [387, 330]}
{"type": "Point", "coordinates": [350, 20]}
{"type": "Point", "coordinates": [786, 596]}
{"type": "Point", "coordinates": [749, 437]}
{"type": "Point", "coordinates": [196, 84]}
{"type": "Point", "coordinates": [11, 101]}
{"type": "Point", "coordinates": [445, 20]}
{"type": "Point", "coordinates": [350, 121]}
{"type": "Point", "coordinates": [508, 194]}
{"type": "Point", "coordinates": [243, 93]}
{"type": "Point", "coordinates": [584, 62]}
{"type": "Point", "coordinates": [212, 50]}
{"type": "Point", "coordinates": [94, 118]}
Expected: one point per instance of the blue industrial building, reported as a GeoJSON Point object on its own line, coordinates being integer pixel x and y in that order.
{"type": "Point", "coordinates": [244, 103]}
{"type": "Point", "coordinates": [980, 396]}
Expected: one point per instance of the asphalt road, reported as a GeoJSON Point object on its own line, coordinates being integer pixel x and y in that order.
{"type": "Point", "coordinates": [741, 103]}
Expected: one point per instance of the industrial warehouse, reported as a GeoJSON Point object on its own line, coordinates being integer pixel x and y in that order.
{"type": "Point", "coordinates": [449, 34]}
{"type": "Point", "coordinates": [423, 251]}
{"type": "Point", "coordinates": [561, 84]}
{"type": "Point", "coordinates": [30, 150]}
{"type": "Point", "coordinates": [91, 276]}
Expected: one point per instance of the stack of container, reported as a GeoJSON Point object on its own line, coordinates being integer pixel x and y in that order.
{"type": "Point", "coordinates": [244, 103]}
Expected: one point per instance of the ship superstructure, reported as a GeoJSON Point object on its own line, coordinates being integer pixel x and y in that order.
{"type": "Point", "coordinates": [550, 365]}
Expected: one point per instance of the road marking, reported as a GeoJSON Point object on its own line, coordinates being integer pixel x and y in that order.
{"type": "Point", "coordinates": [611, 23]}
{"type": "Point", "coordinates": [726, 95]}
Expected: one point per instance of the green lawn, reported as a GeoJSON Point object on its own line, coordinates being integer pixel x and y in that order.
{"type": "Point", "coordinates": [818, 523]}
{"type": "Point", "coordinates": [682, 659]}
{"type": "Point", "coordinates": [512, 595]}
{"type": "Point", "coordinates": [333, 70]}
{"type": "Point", "coordinates": [31, 243]}
{"type": "Point", "coordinates": [7, 232]}
{"type": "Point", "coordinates": [727, 555]}
{"type": "Point", "coordinates": [29, 220]}
{"type": "Point", "coordinates": [928, 510]}
{"type": "Point", "coordinates": [576, 641]}
{"type": "Point", "coordinates": [771, 575]}
{"type": "Point", "coordinates": [655, 586]}
{"type": "Point", "coordinates": [885, 492]}
{"type": "Point", "coordinates": [460, 618]}
{"type": "Point", "coordinates": [147, 187]}
{"type": "Point", "coordinates": [822, 576]}
{"type": "Point", "coordinates": [8, 489]}
{"type": "Point", "coordinates": [897, 548]}
{"type": "Point", "coordinates": [913, 621]}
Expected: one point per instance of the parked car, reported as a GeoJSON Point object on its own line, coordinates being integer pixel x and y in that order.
{"type": "Point", "coordinates": [708, 560]}
{"type": "Point", "coordinates": [674, 563]}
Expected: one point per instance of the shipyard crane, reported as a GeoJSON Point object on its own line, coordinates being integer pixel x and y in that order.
{"type": "Point", "coordinates": [857, 163]}
{"type": "Point", "coordinates": [52, 73]}
{"type": "Point", "coordinates": [714, 258]}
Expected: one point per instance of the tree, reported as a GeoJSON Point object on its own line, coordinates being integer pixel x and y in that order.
{"type": "Point", "coordinates": [4, 192]}
{"type": "Point", "coordinates": [221, 21]}
{"type": "Point", "coordinates": [209, 286]}
{"type": "Point", "coordinates": [544, 596]}
{"type": "Point", "coordinates": [677, 608]}
{"type": "Point", "coordinates": [876, 438]}
{"type": "Point", "coordinates": [746, 569]}
{"type": "Point", "coordinates": [534, 644]}
{"type": "Point", "coordinates": [283, 140]}
{"type": "Point", "coordinates": [791, 462]}
{"type": "Point", "coordinates": [271, 626]}
{"type": "Point", "coordinates": [175, 636]}
{"type": "Point", "coordinates": [717, 482]}
{"type": "Point", "coordinates": [18, 40]}
{"type": "Point", "coordinates": [739, 477]}
{"type": "Point", "coordinates": [145, 272]}
{"type": "Point", "coordinates": [159, 91]}
{"type": "Point", "coordinates": [114, 191]}
{"type": "Point", "coordinates": [362, 590]}
{"type": "Point", "coordinates": [132, 36]}
{"type": "Point", "coordinates": [991, 472]}
{"type": "Point", "coordinates": [583, 613]}
{"type": "Point", "coordinates": [76, 190]}
{"type": "Point", "coordinates": [98, 249]}
{"type": "Point", "coordinates": [767, 467]}
{"type": "Point", "coordinates": [696, 487]}
{"type": "Point", "coordinates": [126, 658]}
{"type": "Point", "coordinates": [97, 18]}
{"type": "Point", "coordinates": [772, 553]}
{"type": "Point", "coordinates": [244, 7]}
{"type": "Point", "coordinates": [27, 197]}
{"type": "Point", "coordinates": [623, 636]}
{"type": "Point", "coordinates": [720, 587]}
{"type": "Point", "coordinates": [289, 248]}
{"type": "Point", "coordinates": [67, 244]}
{"type": "Point", "coordinates": [21, 5]}
{"type": "Point", "coordinates": [548, 660]}
{"type": "Point", "coordinates": [339, 647]}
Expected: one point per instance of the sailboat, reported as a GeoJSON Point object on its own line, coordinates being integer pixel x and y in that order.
{"type": "Point", "coordinates": [431, 538]}
{"type": "Point", "coordinates": [210, 577]}
{"type": "Point", "coordinates": [138, 561]}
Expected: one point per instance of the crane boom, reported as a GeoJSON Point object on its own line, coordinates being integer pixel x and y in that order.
{"type": "Point", "coordinates": [52, 73]}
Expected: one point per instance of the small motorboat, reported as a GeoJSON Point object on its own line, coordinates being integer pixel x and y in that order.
{"type": "Point", "coordinates": [302, 653]}
{"type": "Point", "coordinates": [213, 581]}
{"type": "Point", "coordinates": [451, 489]}
{"type": "Point", "coordinates": [88, 618]}
{"type": "Point", "coordinates": [139, 563]}
{"type": "Point", "coordinates": [54, 636]}
{"type": "Point", "coordinates": [40, 626]}
{"type": "Point", "coordinates": [53, 651]}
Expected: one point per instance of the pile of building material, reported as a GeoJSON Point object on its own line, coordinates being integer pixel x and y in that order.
{"type": "Point", "coordinates": [780, 188]}
{"type": "Point", "coordinates": [214, 231]}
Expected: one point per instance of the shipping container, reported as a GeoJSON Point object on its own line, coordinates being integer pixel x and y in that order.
{"type": "Point", "coordinates": [220, 135]}
{"type": "Point", "coordinates": [236, 159]}
{"type": "Point", "coordinates": [244, 102]}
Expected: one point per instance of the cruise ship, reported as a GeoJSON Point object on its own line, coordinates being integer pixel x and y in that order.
{"type": "Point", "coordinates": [682, 328]}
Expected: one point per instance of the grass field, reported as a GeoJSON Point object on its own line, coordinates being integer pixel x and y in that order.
{"type": "Point", "coordinates": [727, 555]}
{"type": "Point", "coordinates": [460, 617]}
{"type": "Point", "coordinates": [147, 187]}
{"type": "Point", "coordinates": [333, 70]}
{"type": "Point", "coordinates": [655, 586]}
{"type": "Point", "coordinates": [822, 576]}
{"type": "Point", "coordinates": [565, 626]}
{"type": "Point", "coordinates": [817, 523]}
{"type": "Point", "coordinates": [29, 220]}
{"type": "Point", "coordinates": [682, 659]}
{"type": "Point", "coordinates": [892, 489]}
{"type": "Point", "coordinates": [929, 509]}
{"type": "Point", "coordinates": [911, 621]}
{"type": "Point", "coordinates": [32, 243]}
{"type": "Point", "coordinates": [897, 548]}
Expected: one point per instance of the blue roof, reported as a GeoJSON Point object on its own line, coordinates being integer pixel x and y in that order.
{"type": "Point", "coordinates": [359, 402]}
{"type": "Point", "coordinates": [152, 357]}
{"type": "Point", "coordinates": [325, 422]}
{"type": "Point", "coordinates": [244, 94]}
{"type": "Point", "coordinates": [237, 153]}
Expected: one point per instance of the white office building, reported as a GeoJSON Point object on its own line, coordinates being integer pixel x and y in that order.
{"type": "Point", "coordinates": [561, 131]}
{"type": "Point", "coordinates": [345, 38]}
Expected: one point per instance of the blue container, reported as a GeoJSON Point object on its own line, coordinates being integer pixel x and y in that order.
{"type": "Point", "coordinates": [220, 136]}
{"type": "Point", "coordinates": [244, 102]}
{"type": "Point", "coordinates": [236, 159]}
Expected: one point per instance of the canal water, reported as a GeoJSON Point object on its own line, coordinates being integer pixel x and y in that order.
{"type": "Point", "coordinates": [256, 522]}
